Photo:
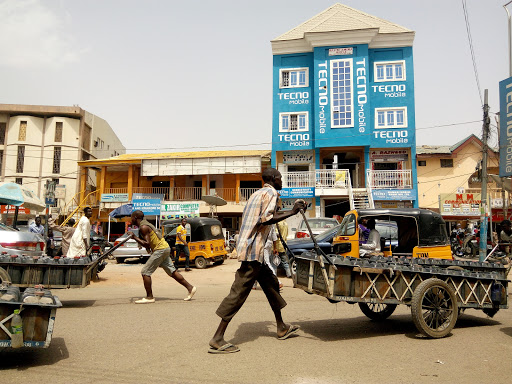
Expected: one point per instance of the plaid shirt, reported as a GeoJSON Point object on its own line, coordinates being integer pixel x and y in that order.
{"type": "Point", "coordinates": [253, 234]}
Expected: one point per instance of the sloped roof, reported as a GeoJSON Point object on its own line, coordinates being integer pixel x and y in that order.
{"type": "Point", "coordinates": [338, 18]}
{"type": "Point", "coordinates": [449, 149]}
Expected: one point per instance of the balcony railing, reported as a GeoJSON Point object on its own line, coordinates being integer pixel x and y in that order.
{"type": "Point", "coordinates": [228, 194]}
{"type": "Point", "coordinates": [116, 190]}
{"type": "Point", "coordinates": [153, 190]}
{"type": "Point", "coordinates": [390, 179]}
{"type": "Point", "coordinates": [245, 193]}
{"type": "Point", "coordinates": [187, 193]}
{"type": "Point", "coordinates": [324, 178]}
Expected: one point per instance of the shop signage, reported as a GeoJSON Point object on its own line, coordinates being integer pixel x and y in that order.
{"type": "Point", "coordinates": [389, 155]}
{"type": "Point", "coordinates": [394, 194]}
{"type": "Point", "coordinates": [298, 157]}
{"type": "Point", "coordinates": [294, 193]}
{"type": "Point", "coordinates": [150, 207]}
{"type": "Point", "coordinates": [506, 127]}
{"type": "Point", "coordinates": [12, 209]}
{"type": "Point", "coordinates": [142, 196]}
{"type": "Point", "coordinates": [60, 191]}
{"type": "Point", "coordinates": [341, 51]}
{"type": "Point", "coordinates": [460, 204]}
{"type": "Point", "coordinates": [114, 197]}
{"type": "Point", "coordinates": [179, 210]}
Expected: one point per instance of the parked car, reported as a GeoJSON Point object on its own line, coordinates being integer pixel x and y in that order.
{"type": "Point", "coordinates": [129, 249]}
{"type": "Point", "coordinates": [20, 243]}
{"type": "Point", "coordinates": [317, 224]}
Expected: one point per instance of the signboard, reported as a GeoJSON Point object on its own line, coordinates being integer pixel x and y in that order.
{"type": "Point", "coordinates": [394, 194]}
{"type": "Point", "coordinates": [12, 208]}
{"type": "Point", "coordinates": [150, 207]}
{"type": "Point", "coordinates": [391, 155]}
{"type": "Point", "coordinates": [299, 157]}
{"type": "Point", "coordinates": [60, 191]}
{"type": "Point", "coordinates": [145, 196]}
{"type": "Point", "coordinates": [294, 193]}
{"type": "Point", "coordinates": [179, 210]}
{"type": "Point", "coordinates": [460, 204]}
{"type": "Point", "coordinates": [114, 197]}
{"type": "Point", "coordinates": [49, 201]}
{"type": "Point", "coordinates": [506, 127]}
{"type": "Point", "coordinates": [341, 51]}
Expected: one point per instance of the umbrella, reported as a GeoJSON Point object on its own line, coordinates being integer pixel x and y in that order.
{"type": "Point", "coordinates": [16, 194]}
{"type": "Point", "coordinates": [122, 211]}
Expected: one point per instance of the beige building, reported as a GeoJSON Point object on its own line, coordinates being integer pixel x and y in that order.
{"type": "Point", "coordinates": [40, 143]}
{"type": "Point", "coordinates": [452, 169]}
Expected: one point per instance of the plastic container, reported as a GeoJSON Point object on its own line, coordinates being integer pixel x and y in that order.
{"type": "Point", "coordinates": [16, 330]}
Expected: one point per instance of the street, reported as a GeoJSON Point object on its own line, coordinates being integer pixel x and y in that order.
{"type": "Point", "coordinates": [101, 336]}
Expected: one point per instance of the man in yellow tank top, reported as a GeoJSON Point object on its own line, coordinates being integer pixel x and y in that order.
{"type": "Point", "coordinates": [151, 239]}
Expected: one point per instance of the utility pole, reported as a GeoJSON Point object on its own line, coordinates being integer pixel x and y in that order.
{"type": "Point", "coordinates": [483, 207]}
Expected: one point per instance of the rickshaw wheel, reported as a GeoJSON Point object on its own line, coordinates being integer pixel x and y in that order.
{"type": "Point", "coordinates": [377, 311]}
{"type": "Point", "coordinates": [434, 308]}
{"type": "Point", "coordinates": [200, 262]}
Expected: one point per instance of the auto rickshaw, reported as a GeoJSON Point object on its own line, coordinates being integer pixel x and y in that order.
{"type": "Point", "coordinates": [205, 240]}
{"type": "Point", "coordinates": [421, 233]}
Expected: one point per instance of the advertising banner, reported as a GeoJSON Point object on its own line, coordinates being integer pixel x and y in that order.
{"type": "Point", "coordinates": [150, 207]}
{"type": "Point", "coordinates": [460, 204]}
{"type": "Point", "coordinates": [294, 193]}
{"type": "Point", "coordinates": [12, 208]}
{"type": "Point", "coordinates": [179, 211]}
{"type": "Point", "coordinates": [394, 194]}
{"type": "Point", "coordinates": [506, 127]}
{"type": "Point", "coordinates": [145, 196]}
{"type": "Point", "coordinates": [114, 197]}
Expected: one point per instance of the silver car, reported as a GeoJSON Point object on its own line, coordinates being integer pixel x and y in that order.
{"type": "Point", "coordinates": [129, 249]}
{"type": "Point", "coordinates": [20, 243]}
{"type": "Point", "coordinates": [317, 224]}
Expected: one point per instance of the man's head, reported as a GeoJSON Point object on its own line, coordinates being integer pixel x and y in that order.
{"type": "Point", "coordinates": [273, 177]}
{"type": "Point", "coordinates": [184, 221]}
{"type": "Point", "coordinates": [38, 221]}
{"type": "Point", "coordinates": [88, 212]}
{"type": "Point", "coordinates": [137, 217]}
{"type": "Point", "coordinates": [506, 226]}
{"type": "Point", "coordinates": [71, 222]}
{"type": "Point", "coordinates": [370, 224]}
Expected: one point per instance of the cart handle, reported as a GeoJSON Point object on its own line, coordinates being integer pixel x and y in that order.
{"type": "Point", "coordinates": [112, 249]}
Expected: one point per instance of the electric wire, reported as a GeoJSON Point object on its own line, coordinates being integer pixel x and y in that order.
{"type": "Point", "coordinates": [470, 40]}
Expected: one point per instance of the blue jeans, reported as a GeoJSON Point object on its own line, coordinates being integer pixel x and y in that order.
{"type": "Point", "coordinates": [182, 248]}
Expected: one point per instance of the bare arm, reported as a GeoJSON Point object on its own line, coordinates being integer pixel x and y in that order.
{"type": "Point", "coordinates": [144, 240]}
{"type": "Point", "coordinates": [280, 216]}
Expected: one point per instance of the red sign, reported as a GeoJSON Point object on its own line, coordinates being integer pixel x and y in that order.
{"type": "Point", "coordinates": [12, 209]}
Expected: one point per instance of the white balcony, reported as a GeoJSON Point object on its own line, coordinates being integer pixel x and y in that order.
{"type": "Point", "coordinates": [325, 181]}
{"type": "Point", "coordinates": [390, 179]}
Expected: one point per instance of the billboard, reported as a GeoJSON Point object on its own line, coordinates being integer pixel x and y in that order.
{"type": "Point", "coordinates": [506, 127]}
{"type": "Point", "coordinates": [460, 204]}
{"type": "Point", "coordinates": [179, 211]}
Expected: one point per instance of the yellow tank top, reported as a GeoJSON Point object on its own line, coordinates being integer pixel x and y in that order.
{"type": "Point", "coordinates": [155, 243]}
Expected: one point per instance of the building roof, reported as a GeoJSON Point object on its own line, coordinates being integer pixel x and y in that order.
{"type": "Point", "coordinates": [450, 149]}
{"type": "Point", "coordinates": [41, 110]}
{"type": "Point", "coordinates": [138, 157]}
{"type": "Point", "coordinates": [340, 17]}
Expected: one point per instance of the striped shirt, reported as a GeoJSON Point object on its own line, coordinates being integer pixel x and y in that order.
{"type": "Point", "coordinates": [253, 234]}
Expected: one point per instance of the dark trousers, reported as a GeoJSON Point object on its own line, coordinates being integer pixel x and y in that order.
{"type": "Point", "coordinates": [182, 248]}
{"type": "Point", "coordinates": [245, 277]}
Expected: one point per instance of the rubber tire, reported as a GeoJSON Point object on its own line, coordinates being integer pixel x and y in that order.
{"type": "Point", "coordinates": [120, 260]}
{"type": "Point", "coordinates": [200, 262]}
{"type": "Point", "coordinates": [417, 308]}
{"type": "Point", "coordinates": [293, 267]}
{"type": "Point", "coordinates": [377, 315]}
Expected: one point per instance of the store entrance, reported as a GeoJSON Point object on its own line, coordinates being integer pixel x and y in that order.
{"type": "Point", "coordinates": [336, 207]}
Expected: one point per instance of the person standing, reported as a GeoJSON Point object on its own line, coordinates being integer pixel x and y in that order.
{"type": "Point", "coordinates": [67, 234]}
{"type": "Point", "coordinates": [282, 228]}
{"type": "Point", "coordinates": [37, 227]}
{"type": "Point", "coordinates": [182, 245]}
{"type": "Point", "coordinates": [258, 216]}
{"type": "Point", "coordinates": [151, 239]}
{"type": "Point", "coordinates": [79, 243]}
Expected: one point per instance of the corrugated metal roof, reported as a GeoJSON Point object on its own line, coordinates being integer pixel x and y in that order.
{"type": "Point", "coordinates": [432, 149]}
{"type": "Point", "coordinates": [180, 155]}
{"type": "Point", "coordinates": [340, 17]}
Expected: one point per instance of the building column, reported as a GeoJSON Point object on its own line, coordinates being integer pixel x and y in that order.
{"type": "Point", "coordinates": [237, 189]}
{"type": "Point", "coordinates": [171, 188]}
{"type": "Point", "coordinates": [103, 180]}
{"type": "Point", "coordinates": [130, 182]}
{"type": "Point", "coordinates": [83, 182]}
{"type": "Point", "coordinates": [205, 186]}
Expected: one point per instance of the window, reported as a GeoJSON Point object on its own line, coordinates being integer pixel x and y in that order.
{"type": "Point", "coordinates": [22, 134]}
{"type": "Point", "coordinates": [289, 122]}
{"type": "Point", "coordinates": [422, 163]}
{"type": "Point", "coordinates": [55, 181]}
{"type": "Point", "coordinates": [391, 118]}
{"type": "Point", "coordinates": [56, 159]}
{"type": "Point", "coordinates": [294, 78]}
{"type": "Point", "coordinates": [341, 94]}
{"type": "Point", "coordinates": [389, 71]}
{"type": "Point", "coordinates": [58, 132]}
{"type": "Point", "coordinates": [18, 180]}
{"type": "Point", "coordinates": [2, 133]}
{"type": "Point", "coordinates": [446, 163]}
{"type": "Point", "coordinates": [20, 162]}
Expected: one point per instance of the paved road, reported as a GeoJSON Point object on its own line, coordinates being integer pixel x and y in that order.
{"type": "Point", "coordinates": [101, 336]}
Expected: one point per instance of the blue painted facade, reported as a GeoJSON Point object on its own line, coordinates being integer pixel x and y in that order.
{"type": "Point", "coordinates": [369, 101]}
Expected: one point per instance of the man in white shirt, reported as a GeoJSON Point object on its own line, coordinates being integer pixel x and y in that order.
{"type": "Point", "coordinates": [80, 240]}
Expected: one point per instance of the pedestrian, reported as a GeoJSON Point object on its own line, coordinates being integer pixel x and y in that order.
{"type": "Point", "coordinates": [151, 239]}
{"type": "Point", "coordinates": [282, 228]}
{"type": "Point", "coordinates": [67, 234]}
{"type": "Point", "coordinates": [50, 243]}
{"type": "Point", "coordinates": [258, 216]}
{"type": "Point", "coordinates": [79, 243]}
{"type": "Point", "coordinates": [182, 245]}
{"type": "Point", "coordinates": [36, 227]}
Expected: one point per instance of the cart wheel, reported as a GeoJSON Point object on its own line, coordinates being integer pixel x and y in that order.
{"type": "Point", "coordinates": [200, 262]}
{"type": "Point", "coordinates": [120, 260]}
{"type": "Point", "coordinates": [377, 311]}
{"type": "Point", "coordinates": [4, 276]}
{"type": "Point", "coordinates": [434, 308]}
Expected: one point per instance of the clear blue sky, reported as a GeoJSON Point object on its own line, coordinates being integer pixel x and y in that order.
{"type": "Point", "coordinates": [170, 75]}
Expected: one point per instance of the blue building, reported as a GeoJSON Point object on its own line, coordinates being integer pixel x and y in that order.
{"type": "Point", "coordinates": [343, 124]}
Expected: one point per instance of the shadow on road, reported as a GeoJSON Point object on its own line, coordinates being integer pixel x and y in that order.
{"type": "Point", "coordinates": [78, 303]}
{"type": "Point", "coordinates": [507, 331]}
{"type": "Point", "coordinates": [24, 358]}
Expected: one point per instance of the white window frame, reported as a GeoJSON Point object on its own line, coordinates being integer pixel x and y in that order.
{"type": "Point", "coordinates": [351, 93]}
{"type": "Point", "coordinates": [394, 63]}
{"type": "Point", "coordinates": [281, 70]}
{"type": "Point", "coordinates": [281, 129]}
{"type": "Point", "coordinates": [387, 125]}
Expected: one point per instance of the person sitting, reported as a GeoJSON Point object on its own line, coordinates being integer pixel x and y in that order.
{"type": "Point", "coordinates": [372, 245]}
{"type": "Point", "coordinates": [364, 231]}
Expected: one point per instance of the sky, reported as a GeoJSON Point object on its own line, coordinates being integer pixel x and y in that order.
{"type": "Point", "coordinates": [173, 75]}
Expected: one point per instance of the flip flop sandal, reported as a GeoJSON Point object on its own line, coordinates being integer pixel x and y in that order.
{"type": "Point", "coordinates": [224, 349]}
{"type": "Point", "coordinates": [291, 331]}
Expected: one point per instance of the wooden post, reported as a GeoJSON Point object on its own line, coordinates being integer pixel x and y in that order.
{"type": "Point", "coordinates": [130, 182]}
{"type": "Point", "coordinates": [171, 188]}
{"type": "Point", "coordinates": [237, 189]}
